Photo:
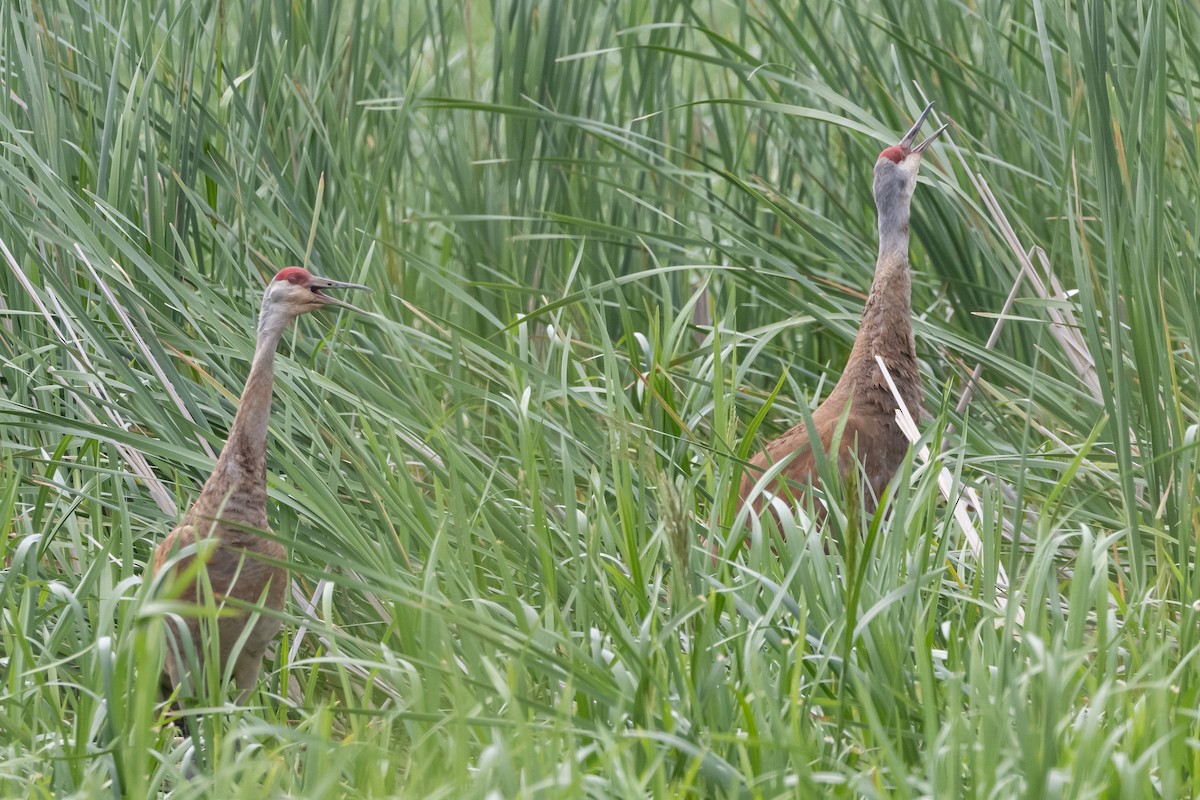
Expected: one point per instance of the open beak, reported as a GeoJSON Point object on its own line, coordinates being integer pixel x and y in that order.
{"type": "Point", "coordinates": [907, 142]}
{"type": "Point", "coordinates": [319, 285]}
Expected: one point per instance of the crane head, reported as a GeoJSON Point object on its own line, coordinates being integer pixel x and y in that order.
{"type": "Point", "coordinates": [896, 169]}
{"type": "Point", "coordinates": [903, 151]}
{"type": "Point", "coordinates": [296, 291]}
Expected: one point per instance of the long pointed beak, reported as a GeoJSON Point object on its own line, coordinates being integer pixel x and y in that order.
{"type": "Point", "coordinates": [907, 142]}
{"type": "Point", "coordinates": [319, 285]}
{"type": "Point", "coordinates": [921, 147]}
{"type": "Point", "coordinates": [911, 136]}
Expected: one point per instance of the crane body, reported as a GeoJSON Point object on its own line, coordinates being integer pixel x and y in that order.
{"type": "Point", "coordinates": [871, 434]}
{"type": "Point", "coordinates": [241, 562]}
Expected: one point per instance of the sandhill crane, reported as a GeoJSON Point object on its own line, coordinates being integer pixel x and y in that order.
{"type": "Point", "coordinates": [232, 507]}
{"type": "Point", "coordinates": [871, 431]}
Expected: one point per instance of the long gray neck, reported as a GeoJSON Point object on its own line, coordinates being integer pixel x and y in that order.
{"type": "Point", "coordinates": [237, 487]}
{"type": "Point", "coordinates": [885, 329]}
{"type": "Point", "coordinates": [893, 227]}
{"type": "Point", "coordinates": [249, 431]}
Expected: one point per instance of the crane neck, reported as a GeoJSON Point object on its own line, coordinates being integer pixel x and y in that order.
{"type": "Point", "coordinates": [893, 230]}
{"type": "Point", "coordinates": [885, 329]}
{"type": "Point", "coordinates": [249, 431]}
{"type": "Point", "coordinates": [237, 488]}
{"type": "Point", "coordinates": [889, 304]}
{"type": "Point", "coordinates": [888, 310]}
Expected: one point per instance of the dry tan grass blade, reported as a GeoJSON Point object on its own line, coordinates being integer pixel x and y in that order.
{"type": "Point", "coordinates": [946, 484]}
{"type": "Point", "coordinates": [1063, 325]}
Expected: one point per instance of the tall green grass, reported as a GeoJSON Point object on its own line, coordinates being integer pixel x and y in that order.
{"type": "Point", "coordinates": [613, 245]}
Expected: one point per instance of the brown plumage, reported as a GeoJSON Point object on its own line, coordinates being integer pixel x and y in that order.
{"type": "Point", "coordinates": [232, 507]}
{"type": "Point", "coordinates": [871, 432]}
